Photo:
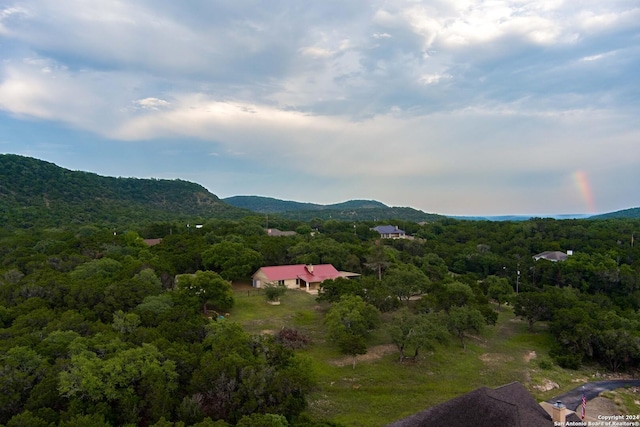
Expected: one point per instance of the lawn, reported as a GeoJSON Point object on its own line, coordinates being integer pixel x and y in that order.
{"type": "Point", "coordinates": [381, 390]}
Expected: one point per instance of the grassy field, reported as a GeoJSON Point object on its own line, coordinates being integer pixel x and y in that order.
{"type": "Point", "coordinates": [380, 389]}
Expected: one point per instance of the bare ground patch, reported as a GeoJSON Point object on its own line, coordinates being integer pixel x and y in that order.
{"type": "Point", "coordinates": [530, 355]}
{"type": "Point", "coordinates": [373, 353]}
{"type": "Point", "coordinates": [495, 358]}
{"type": "Point", "coordinates": [546, 385]}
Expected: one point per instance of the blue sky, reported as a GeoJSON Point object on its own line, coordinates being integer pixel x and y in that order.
{"type": "Point", "coordinates": [463, 107]}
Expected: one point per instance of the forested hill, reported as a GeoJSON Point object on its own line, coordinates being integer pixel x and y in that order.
{"type": "Point", "coordinates": [38, 193]}
{"type": "Point", "coordinates": [262, 204]}
{"type": "Point", "coordinates": [352, 210]}
{"type": "Point", "coordinates": [626, 213]}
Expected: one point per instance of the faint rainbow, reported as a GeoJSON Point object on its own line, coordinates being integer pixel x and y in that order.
{"type": "Point", "coordinates": [585, 189]}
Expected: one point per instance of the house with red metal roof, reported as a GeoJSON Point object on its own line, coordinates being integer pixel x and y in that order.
{"type": "Point", "coordinates": [299, 276]}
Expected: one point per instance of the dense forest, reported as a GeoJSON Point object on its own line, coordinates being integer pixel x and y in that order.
{"type": "Point", "coordinates": [99, 328]}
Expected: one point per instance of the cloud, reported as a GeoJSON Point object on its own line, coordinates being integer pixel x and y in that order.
{"type": "Point", "coordinates": [152, 103]}
{"type": "Point", "coordinates": [316, 52]}
{"type": "Point", "coordinates": [469, 142]}
{"type": "Point", "coordinates": [382, 36]}
{"type": "Point", "coordinates": [465, 93]}
{"type": "Point", "coordinates": [430, 79]}
{"type": "Point", "coordinates": [85, 99]}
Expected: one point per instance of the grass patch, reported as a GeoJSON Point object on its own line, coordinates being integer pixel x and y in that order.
{"type": "Point", "coordinates": [381, 390]}
{"type": "Point", "coordinates": [297, 308]}
{"type": "Point", "coordinates": [627, 400]}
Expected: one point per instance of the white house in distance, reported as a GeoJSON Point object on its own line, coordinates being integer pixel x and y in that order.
{"type": "Point", "coordinates": [299, 276]}
{"type": "Point", "coordinates": [553, 256]}
{"type": "Point", "coordinates": [274, 232]}
{"type": "Point", "coordinates": [390, 232]}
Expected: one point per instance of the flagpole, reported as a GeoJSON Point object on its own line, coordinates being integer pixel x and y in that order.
{"type": "Point", "coordinates": [584, 403]}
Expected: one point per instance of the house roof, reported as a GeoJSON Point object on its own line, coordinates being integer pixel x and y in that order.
{"type": "Point", "coordinates": [388, 229]}
{"type": "Point", "coordinates": [507, 406]}
{"type": "Point", "coordinates": [551, 256]}
{"type": "Point", "coordinates": [152, 242]}
{"type": "Point", "coordinates": [311, 274]}
{"type": "Point", "coordinates": [276, 232]}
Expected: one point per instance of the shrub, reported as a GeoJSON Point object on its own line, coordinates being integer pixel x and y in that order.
{"type": "Point", "coordinates": [274, 292]}
{"type": "Point", "coordinates": [545, 363]}
{"type": "Point", "coordinates": [292, 338]}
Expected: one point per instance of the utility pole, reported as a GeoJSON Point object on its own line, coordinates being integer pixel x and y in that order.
{"type": "Point", "coordinates": [518, 278]}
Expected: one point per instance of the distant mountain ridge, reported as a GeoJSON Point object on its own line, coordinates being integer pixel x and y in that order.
{"type": "Point", "coordinates": [351, 210]}
{"type": "Point", "coordinates": [38, 193]}
{"type": "Point", "coordinates": [35, 192]}
{"type": "Point", "coordinates": [262, 204]}
{"type": "Point", "coordinates": [515, 218]}
{"type": "Point", "coordinates": [625, 213]}
{"type": "Point", "coordinates": [367, 210]}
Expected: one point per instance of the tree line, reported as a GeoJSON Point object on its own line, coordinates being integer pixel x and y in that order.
{"type": "Point", "coordinates": [97, 330]}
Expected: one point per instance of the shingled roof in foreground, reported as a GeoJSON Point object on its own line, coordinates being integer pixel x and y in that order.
{"type": "Point", "coordinates": [508, 406]}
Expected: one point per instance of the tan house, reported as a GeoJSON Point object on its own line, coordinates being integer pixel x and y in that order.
{"type": "Point", "coordinates": [299, 276]}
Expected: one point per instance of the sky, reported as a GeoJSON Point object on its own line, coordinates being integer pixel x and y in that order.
{"type": "Point", "coordinates": [457, 107]}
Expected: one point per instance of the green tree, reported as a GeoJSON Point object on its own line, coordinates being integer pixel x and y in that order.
{"type": "Point", "coordinates": [125, 323]}
{"type": "Point", "coordinates": [454, 294]}
{"type": "Point", "coordinates": [128, 293]}
{"type": "Point", "coordinates": [241, 374]}
{"type": "Point", "coordinates": [263, 420]}
{"type": "Point", "coordinates": [333, 290]}
{"type": "Point", "coordinates": [207, 286]}
{"type": "Point", "coordinates": [98, 269]}
{"type": "Point", "coordinates": [137, 382]}
{"type": "Point", "coordinates": [499, 289]}
{"type": "Point", "coordinates": [463, 320]}
{"type": "Point", "coordinates": [406, 282]}
{"type": "Point", "coordinates": [231, 260]}
{"type": "Point", "coordinates": [93, 420]}
{"type": "Point", "coordinates": [618, 348]}
{"type": "Point", "coordinates": [415, 332]}
{"type": "Point", "coordinates": [378, 294]}
{"type": "Point", "coordinates": [378, 259]}
{"type": "Point", "coordinates": [179, 254]}
{"type": "Point", "coordinates": [349, 322]}
{"type": "Point", "coordinates": [154, 308]}
{"type": "Point", "coordinates": [21, 368]}
{"type": "Point", "coordinates": [27, 419]}
{"type": "Point", "coordinates": [574, 331]}
{"type": "Point", "coordinates": [532, 306]}
{"type": "Point", "coordinates": [273, 292]}
{"type": "Point", "coordinates": [320, 250]}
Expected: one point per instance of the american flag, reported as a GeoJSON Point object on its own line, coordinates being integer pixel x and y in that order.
{"type": "Point", "coordinates": [584, 403]}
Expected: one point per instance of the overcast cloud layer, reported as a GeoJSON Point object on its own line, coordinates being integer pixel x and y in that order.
{"type": "Point", "coordinates": [453, 107]}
